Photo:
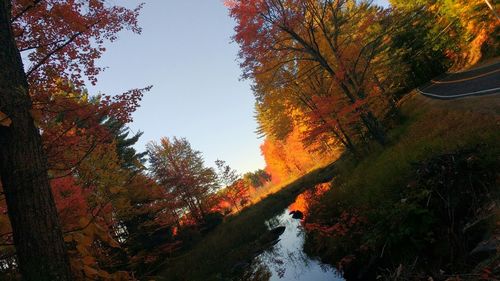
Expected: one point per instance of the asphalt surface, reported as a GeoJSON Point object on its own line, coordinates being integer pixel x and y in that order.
{"type": "Point", "coordinates": [480, 81]}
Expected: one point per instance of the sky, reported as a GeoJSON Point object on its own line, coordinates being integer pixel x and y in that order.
{"type": "Point", "coordinates": [185, 52]}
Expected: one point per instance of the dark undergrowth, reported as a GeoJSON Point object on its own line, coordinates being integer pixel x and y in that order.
{"type": "Point", "coordinates": [420, 207]}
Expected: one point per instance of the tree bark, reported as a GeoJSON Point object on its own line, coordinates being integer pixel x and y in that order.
{"type": "Point", "coordinates": [33, 215]}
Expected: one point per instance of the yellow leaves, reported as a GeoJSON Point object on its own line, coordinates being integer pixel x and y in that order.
{"type": "Point", "coordinates": [5, 120]}
{"type": "Point", "coordinates": [89, 271]}
{"type": "Point", "coordinates": [81, 249]}
{"type": "Point", "coordinates": [102, 234]}
{"type": "Point", "coordinates": [37, 115]}
{"type": "Point", "coordinates": [115, 189]}
{"type": "Point", "coordinates": [86, 240]}
{"type": "Point", "coordinates": [103, 167]}
{"type": "Point", "coordinates": [122, 203]}
{"type": "Point", "coordinates": [84, 258]}
{"type": "Point", "coordinates": [83, 222]}
{"type": "Point", "coordinates": [106, 276]}
{"type": "Point", "coordinates": [120, 275]}
{"type": "Point", "coordinates": [88, 260]}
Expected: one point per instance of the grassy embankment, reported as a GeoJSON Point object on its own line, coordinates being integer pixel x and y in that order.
{"type": "Point", "coordinates": [376, 188]}
{"type": "Point", "coordinates": [419, 206]}
{"type": "Point", "coordinates": [235, 240]}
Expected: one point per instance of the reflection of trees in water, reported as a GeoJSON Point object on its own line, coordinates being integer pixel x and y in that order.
{"type": "Point", "coordinates": [257, 272]}
{"type": "Point", "coordinates": [280, 260]}
{"type": "Point", "coordinates": [287, 255]}
{"type": "Point", "coordinates": [276, 221]}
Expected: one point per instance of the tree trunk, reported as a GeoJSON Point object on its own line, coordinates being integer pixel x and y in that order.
{"type": "Point", "coordinates": [35, 224]}
{"type": "Point", "coordinates": [374, 127]}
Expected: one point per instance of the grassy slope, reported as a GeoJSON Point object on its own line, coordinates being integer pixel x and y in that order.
{"type": "Point", "coordinates": [233, 241]}
{"type": "Point", "coordinates": [376, 184]}
{"type": "Point", "coordinates": [429, 127]}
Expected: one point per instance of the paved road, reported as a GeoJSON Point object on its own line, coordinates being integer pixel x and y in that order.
{"type": "Point", "coordinates": [479, 81]}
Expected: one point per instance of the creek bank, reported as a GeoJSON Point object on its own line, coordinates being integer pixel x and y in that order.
{"type": "Point", "coordinates": [419, 206]}
{"type": "Point", "coordinates": [285, 259]}
{"type": "Point", "coordinates": [443, 222]}
{"type": "Point", "coordinates": [231, 245]}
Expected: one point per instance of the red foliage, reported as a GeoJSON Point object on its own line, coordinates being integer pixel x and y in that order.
{"type": "Point", "coordinates": [344, 225]}
{"type": "Point", "coordinates": [309, 197]}
{"type": "Point", "coordinates": [71, 201]}
{"type": "Point", "coordinates": [64, 39]}
{"type": "Point", "coordinates": [255, 35]}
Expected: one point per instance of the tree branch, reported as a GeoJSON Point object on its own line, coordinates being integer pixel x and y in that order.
{"type": "Point", "coordinates": [23, 11]}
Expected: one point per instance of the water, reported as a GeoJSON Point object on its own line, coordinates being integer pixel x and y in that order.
{"type": "Point", "coordinates": [286, 260]}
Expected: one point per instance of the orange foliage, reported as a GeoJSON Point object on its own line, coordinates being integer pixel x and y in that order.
{"type": "Point", "coordinates": [290, 158]}
{"type": "Point", "coordinates": [310, 196]}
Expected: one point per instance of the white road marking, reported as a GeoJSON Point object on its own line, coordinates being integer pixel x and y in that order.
{"type": "Point", "coordinates": [460, 95]}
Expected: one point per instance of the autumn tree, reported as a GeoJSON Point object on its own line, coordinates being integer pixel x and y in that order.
{"type": "Point", "coordinates": [181, 171]}
{"type": "Point", "coordinates": [225, 174]}
{"type": "Point", "coordinates": [61, 41]}
{"type": "Point", "coordinates": [64, 39]}
{"type": "Point", "coordinates": [237, 194]}
{"type": "Point", "coordinates": [36, 229]}
{"type": "Point", "coordinates": [92, 164]}
{"type": "Point", "coordinates": [292, 39]}
{"type": "Point", "coordinates": [463, 30]}
{"type": "Point", "coordinates": [257, 178]}
{"type": "Point", "coordinates": [236, 189]}
{"type": "Point", "coordinates": [290, 158]}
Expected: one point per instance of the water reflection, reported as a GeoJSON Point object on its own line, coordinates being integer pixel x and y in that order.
{"type": "Point", "coordinates": [286, 260]}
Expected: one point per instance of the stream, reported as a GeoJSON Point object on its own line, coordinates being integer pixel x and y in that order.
{"type": "Point", "coordinates": [286, 260]}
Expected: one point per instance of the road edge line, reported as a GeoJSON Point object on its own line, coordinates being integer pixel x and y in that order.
{"type": "Point", "coordinates": [458, 96]}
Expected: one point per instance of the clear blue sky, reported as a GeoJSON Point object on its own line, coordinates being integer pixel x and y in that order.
{"type": "Point", "coordinates": [185, 52]}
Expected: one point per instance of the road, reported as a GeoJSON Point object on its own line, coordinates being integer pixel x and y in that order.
{"type": "Point", "coordinates": [479, 81]}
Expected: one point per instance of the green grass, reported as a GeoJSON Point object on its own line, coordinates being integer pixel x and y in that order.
{"type": "Point", "coordinates": [429, 127]}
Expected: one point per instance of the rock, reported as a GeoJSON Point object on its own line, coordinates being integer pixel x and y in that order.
{"type": "Point", "coordinates": [484, 250]}
{"type": "Point", "coordinates": [277, 231]}
{"type": "Point", "coordinates": [272, 235]}
{"type": "Point", "coordinates": [297, 214]}
{"type": "Point", "coordinates": [240, 266]}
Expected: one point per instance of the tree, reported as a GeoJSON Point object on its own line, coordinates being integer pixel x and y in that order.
{"type": "Point", "coordinates": [181, 171]}
{"type": "Point", "coordinates": [23, 170]}
{"type": "Point", "coordinates": [463, 30]}
{"type": "Point", "coordinates": [237, 194]}
{"type": "Point", "coordinates": [64, 39]}
{"type": "Point", "coordinates": [300, 37]}
{"type": "Point", "coordinates": [225, 174]}
{"type": "Point", "coordinates": [130, 158]}
{"type": "Point", "coordinates": [61, 40]}
{"type": "Point", "coordinates": [257, 178]}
